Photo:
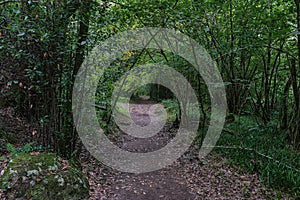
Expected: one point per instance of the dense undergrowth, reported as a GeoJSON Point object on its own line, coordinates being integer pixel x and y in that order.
{"type": "Point", "coordinates": [259, 149]}
{"type": "Point", "coordinates": [262, 150]}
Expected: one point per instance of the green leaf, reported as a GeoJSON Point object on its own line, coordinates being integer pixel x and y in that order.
{"type": "Point", "coordinates": [3, 159]}
{"type": "Point", "coordinates": [83, 42]}
{"type": "Point", "coordinates": [11, 149]}
{"type": "Point", "coordinates": [9, 83]}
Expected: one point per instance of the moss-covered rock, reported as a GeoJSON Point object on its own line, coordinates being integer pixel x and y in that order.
{"type": "Point", "coordinates": [43, 176]}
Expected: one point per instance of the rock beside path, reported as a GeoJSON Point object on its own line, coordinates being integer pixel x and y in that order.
{"type": "Point", "coordinates": [43, 176]}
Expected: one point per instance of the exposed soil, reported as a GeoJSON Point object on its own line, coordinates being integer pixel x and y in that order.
{"type": "Point", "coordinates": [186, 179]}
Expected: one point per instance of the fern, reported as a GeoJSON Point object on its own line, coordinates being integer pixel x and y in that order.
{"type": "Point", "coordinates": [12, 150]}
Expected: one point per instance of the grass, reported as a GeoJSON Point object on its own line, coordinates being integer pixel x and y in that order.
{"type": "Point", "coordinates": [258, 149]}
{"type": "Point", "coordinates": [262, 150]}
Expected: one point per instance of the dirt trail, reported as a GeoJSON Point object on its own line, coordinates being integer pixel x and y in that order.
{"type": "Point", "coordinates": [184, 180]}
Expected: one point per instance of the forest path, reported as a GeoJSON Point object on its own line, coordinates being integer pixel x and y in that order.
{"type": "Point", "coordinates": [185, 179]}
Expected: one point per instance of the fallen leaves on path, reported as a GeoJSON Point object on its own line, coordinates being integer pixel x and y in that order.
{"type": "Point", "coordinates": [185, 179]}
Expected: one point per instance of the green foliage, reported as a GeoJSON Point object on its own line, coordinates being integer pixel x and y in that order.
{"type": "Point", "coordinates": [12, 150]}
{"type": "Point", "coordinates": [263, 151]}
{"type": "Point", "coordinates": [172, 108]}
{"type": "Point", "coordinates": [33, 176]}
{"type": "Point", "coordinates": [253, 44]}
{"type": "Point", "coordinates": [29, 147]}
{"type": "Point", "coordinates": [144, 90]}
{"type": "Point", "coordinates": [3, 158]}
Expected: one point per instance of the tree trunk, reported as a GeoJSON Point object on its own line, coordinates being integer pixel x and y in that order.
{"type": "Point", "coordinates": [294, 125]}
